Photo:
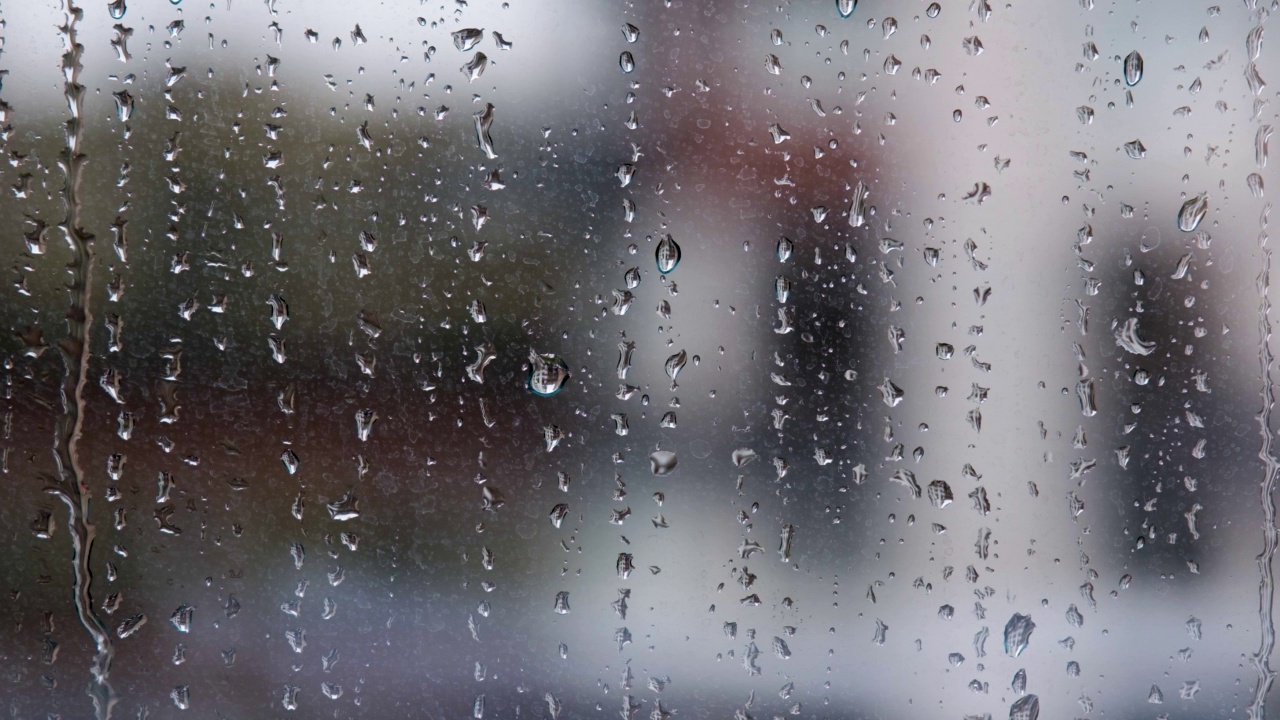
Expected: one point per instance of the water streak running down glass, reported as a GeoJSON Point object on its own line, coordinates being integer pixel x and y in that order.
{"type": "Point", "coordinates": [828, 359]}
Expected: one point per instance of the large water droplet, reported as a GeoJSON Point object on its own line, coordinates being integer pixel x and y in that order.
{"type": "Point", "coordinates": [547, 374]}
{"type": "Point", "coordinates": [1017, 634]}
{"type": "Point", "coordinates": [1256, 187]}
{"type": "Point", "coordinates": [1135, 149]}
{"type": "Point", "coordinates": [858, 207]}
{"type": "Point", "coordinates": [1192, 212]}
{"type": "Point", "coordinates": [662, 462]}
{"type": "Point", "coordinates": [467, 38]}
{"type": "Point", "coordinates": [1127, 337]}
{"type": "Point", "coordinates": [1025, 708]}
{"type": "Point", "coordinates": [667, 254]}
{"type": "Point", "coordinates": [1132, 68]}
{"type": "Point", "coordinates": [785, 249]}
{"type": "Point", "coordinates": [675, 364]}
{"type": "Point", "coordinates": [846, 7]}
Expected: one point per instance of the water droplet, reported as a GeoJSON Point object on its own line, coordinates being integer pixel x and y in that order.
{"type": "Point", "coordinates": [881, 634]}
{"type": "Point", "coordinates": [662, 462]}
{"type": "Point", "coordinates": [1135, 149]}
{"type": "Point", "coordinates": [1254, 181]}
{"type": "Point", "coordinates": [627, 61]}
{"type": "Point", "coordinates": [1192, 212]}
{"type": "Point", "coordinates": [858, 206]}
{"type": "Point", "coordinates": [1017, 634]}
{"type": "Point", "coordinates": [1127, 337]}
{"type": "Point", "coordinates": [846, 7]}
{"type": "Point", "coordinates": [180, 695]}
{"type": "Point", "coordinates": [467, 38]}
{"type": "Point", "coordinates": [742, 456]}
{"type": "Point", "coordinates": [667, 254]}
{"type": "Point", "coordinates": [475, 67]}
{"type": "Point", "coordinates": [547, 374]}
{"type": "Point", "coordinates": [1019, 684]}
{"type": "Point", "coordinates": [1133, 68]}
{"type": "Point", "coordinates": [675, 364]}
{"type": "Point", "coordinates": [940, 494]}
{"type": "Point", "coordinates": [785, 249]}
{"type": "Point", "coordinates": [1086, 393]}
{"type": "Point", "coordinates": [1025, 708]}
{"type": "Point", "coordinates": [484, 123]}
{"type": "Point", "coordinates": [562, 603]}
{"type": "Point", "coordinates": [933, 10]}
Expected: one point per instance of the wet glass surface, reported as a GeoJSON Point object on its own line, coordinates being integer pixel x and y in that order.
{"type": "Point", "coordinates": [675, 359]}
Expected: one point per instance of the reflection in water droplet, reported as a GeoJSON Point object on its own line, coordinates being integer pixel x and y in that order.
{"type": "Point", "coordinates": [1025, 708]}
{"type": "Point", "coordinates": [1254, 181]}
{"type": "Point", "coordinates": [858, 207]}
{"type": "Point", "coordinates": [467, 38]}
{"type": "Point", "coordinates": [667, 254]}
{"type": "Point", "coordinates": [1192, 212]}
{"type": "Point", "coordinates": [785, 249]}
{"type": "Point", "coordinates": [547, 374]}
{"type": "Point", "coordinates": [1133, 68]}
{"type": "Point", "coordinates": [675, 364]}
{"type": "Point", "coordinates": [662, 462]}
{"type": "Point", "coordinates": [1017, 634]}
{"type": "Point", "coordinates": [1127, 338]}
{"type": "Point", "coordinates": [484, 123]}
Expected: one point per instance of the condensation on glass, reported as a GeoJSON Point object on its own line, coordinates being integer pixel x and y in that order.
{"type": "Point", "coordinates": [494, 359]}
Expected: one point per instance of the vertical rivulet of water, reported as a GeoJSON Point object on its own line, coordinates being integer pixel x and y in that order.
{"type": "Point", "coordinates": [74, 349]}
{"type": "Point", "coordinates": [1271, 534]}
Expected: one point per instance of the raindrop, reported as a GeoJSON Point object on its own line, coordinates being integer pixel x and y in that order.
{"type": "Point", "coordinates": [1017, 634]}
{"type": "Point", "coordinates": [667, 254]}
{"type": "Point", "coordinates": [662, 462]}
{"type": "Point", "coordinates": [1132, 68]}
{"type": "Point", "coordinates": [547, 374]}
{"type": "Point", "coordinates": [1192, 212]}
